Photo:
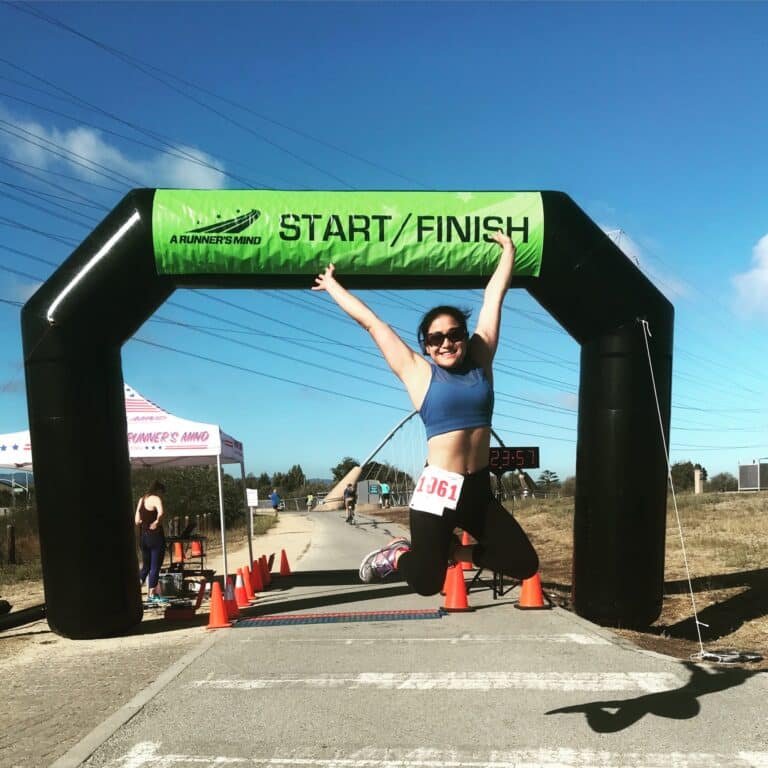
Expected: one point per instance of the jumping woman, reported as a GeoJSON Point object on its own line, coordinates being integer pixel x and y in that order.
{"type": "Point", "coordinates": [453, 391]}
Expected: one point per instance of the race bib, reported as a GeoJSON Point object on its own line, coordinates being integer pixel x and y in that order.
{"type": "Point", "coordinates": [436, 490]}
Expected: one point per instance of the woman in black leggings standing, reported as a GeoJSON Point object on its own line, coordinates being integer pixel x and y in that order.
{"type": "Point", "coordinates": [453, 391]}
{"type": "Point", "coordinates": [149, 513]}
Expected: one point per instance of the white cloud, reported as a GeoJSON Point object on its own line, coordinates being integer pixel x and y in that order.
{"type": "Point", "coordinates": [85, 152]}
{"type": "Point", "coordinates": [752, 286]}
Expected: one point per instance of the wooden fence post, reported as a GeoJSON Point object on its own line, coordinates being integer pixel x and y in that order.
{"type": "Point", "coordinates": [10, 543]}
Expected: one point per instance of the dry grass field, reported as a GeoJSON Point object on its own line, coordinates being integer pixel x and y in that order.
{"type": "Point", "coordinates": [726, 541]}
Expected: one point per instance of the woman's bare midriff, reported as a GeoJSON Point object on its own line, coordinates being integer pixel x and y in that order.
{"type": "Point", "coordinates": [462, 451]}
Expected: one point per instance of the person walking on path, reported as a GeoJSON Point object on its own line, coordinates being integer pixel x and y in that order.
{"type": "Point", "coordinates": [350, 499]}
{"type": "Point", "coordinates": [274, 498]}
{"type": "Point", "coordinates": [149, 514]}
{"type": "Point", "coordinates": [385, 492]}
{"type": "Point", "coordinates": [453, 391]}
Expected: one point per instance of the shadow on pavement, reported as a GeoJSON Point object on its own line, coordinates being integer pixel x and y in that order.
{"type": "Point", "coordinates": [614, 715]}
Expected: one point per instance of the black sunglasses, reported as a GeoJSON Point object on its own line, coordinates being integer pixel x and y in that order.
{"type": "Point", "coordinates": [437, 338]}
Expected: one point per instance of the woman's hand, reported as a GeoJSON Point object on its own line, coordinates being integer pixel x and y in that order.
{"type": "Point", "coordinates": [324, 279]}
{"type": "Point", "coordinates": [153, 525]}
{"type": "Point", "coordinates": [503, 240]}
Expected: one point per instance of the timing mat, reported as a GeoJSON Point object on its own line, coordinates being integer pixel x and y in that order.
{"type": "Point", "coordinates": [334, 618]}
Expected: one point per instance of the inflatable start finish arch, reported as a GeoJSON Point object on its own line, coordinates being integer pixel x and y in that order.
{"type": "Point", "coordinates": [156, 240]}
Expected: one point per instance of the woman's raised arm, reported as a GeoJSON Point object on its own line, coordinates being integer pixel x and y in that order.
{"type": "Point", "coordinates": [489, 319]}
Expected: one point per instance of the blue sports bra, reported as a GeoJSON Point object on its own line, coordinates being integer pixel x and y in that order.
{"type": "Point", "coordinates": [456, 400]}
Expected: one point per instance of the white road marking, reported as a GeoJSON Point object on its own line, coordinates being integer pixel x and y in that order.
{"type": "Point", "coordinates": [570, 637]}
{"type": "Point", "coordinates": [755, 759]}
{"type": "Point", "coordinates": [148, 754]}
{"type": "Point", "coordinates": [650, 682]}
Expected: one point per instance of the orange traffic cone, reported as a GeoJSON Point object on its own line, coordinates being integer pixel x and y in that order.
{"type": "Point", "coordinates": [196, 548]}
{"type": "Point", "coordinates": [531, 596]}
{"type": "Point", "coordinates": [257, 582]}
{"type": "Point", "coordinates": [285, 569]}
{"type": "Point", "coordinates": [466, 540]}
{"type": "Point", "coordinates": [456, 591]}
{"type": "Point", "coordinates": [444, 590]}
{"type": "Point", "coordinates": [218, 618]}
{"type": "Point", "coordinates": [178, 552]}
{"type": "Point", "coordinates": [241, 597]}
{"type": "Point", "coordinates": [233, 612]}
{"type": "Point", "coordinates": [248, 583]}
{"type": "Point", "coordinates": [265, 575]}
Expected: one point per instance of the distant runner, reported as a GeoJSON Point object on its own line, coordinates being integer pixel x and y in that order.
{"type": "Point", "coordinates": [350, 499]}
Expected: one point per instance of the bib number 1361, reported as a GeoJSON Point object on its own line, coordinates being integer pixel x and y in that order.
{"type": "Point", "coordinates": [437, 490]}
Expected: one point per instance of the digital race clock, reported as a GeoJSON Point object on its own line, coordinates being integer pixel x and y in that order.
{"type": "Point", "coordinates": [506, 459]}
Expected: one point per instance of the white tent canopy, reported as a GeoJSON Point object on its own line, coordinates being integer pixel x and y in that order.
{"type": "Point", "coordinates": [155, 438]}
{"type": "Point", "coordinates": [16, 451]}
{"type": "Point", "coordinates": [158, 437]}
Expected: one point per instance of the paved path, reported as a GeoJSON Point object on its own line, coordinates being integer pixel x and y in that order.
{"type": "Point", "coordinates": [292, 532]}
{"type": "Point", "coordinates": [493, 687]}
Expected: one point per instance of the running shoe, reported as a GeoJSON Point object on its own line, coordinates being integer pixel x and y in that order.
{"type": "Point", "coordinates": [158, 600]}
{"type": "Point", "coordinates": [380, 563]}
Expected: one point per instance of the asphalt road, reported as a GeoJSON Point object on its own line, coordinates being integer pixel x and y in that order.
{"type": "Point", "coordinates": [495, 687]}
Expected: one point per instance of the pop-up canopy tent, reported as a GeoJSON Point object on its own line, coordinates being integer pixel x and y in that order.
{"type": "Point", "coordinates": [158, 438]}
{"type": "Point", "coordinates": [155, 438]}
{"type": "Point", "coordinates": [16, 451]}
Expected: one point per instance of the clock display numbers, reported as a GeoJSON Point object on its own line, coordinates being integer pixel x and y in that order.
{"type": "Point", "coordinates": [506, 459]}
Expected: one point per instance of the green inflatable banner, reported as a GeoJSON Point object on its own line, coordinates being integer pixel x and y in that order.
{"type": "Point", "coordinates": [238, 232]}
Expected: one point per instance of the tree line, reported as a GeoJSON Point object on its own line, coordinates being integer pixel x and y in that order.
{"type": "Point", "coordinates": [682, 472]}
{"type": "Point", "coordinates": [194, 491]}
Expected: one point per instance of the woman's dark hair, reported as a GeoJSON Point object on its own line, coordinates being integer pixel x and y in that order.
{"type": "Point", "coordinates": [156, 487]}
{"type": "Point", "coordinates": [459, 315]}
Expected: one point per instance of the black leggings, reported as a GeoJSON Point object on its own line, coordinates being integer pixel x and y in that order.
{"type": "Point", "coordinates": [502, 545]}
{"type": "Point", "coordinates": [152, 556]}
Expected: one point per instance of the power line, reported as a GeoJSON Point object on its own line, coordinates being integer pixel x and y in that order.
{"type": "Point", "coordinates": [306, 363]}
{"type": "Point", "coordinates": [48, 197]}
{"type": "Point", "coordinates": [17, 225]}
{"type": "Point", "coordinates": [29, 256]}
{"type": "Point", "coordinates": [67, 154]}
{"type": "Point", "coordinates": [277, 321]}
{"type": "Point", "coordinates": [43, 209]}
{"type": "Point", "coordinates": [281, 379]}
{"type": "Point", "coordinates": [200, 102]}
{"type": "Point", "coordinates": [20, 273]}
{"type": "Point", "coordinates": [19, 166]}
{"type": "Point", "coordinates": [143, 67]}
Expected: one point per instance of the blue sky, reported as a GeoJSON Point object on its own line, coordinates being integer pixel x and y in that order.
{"type": "Point", "coordinates": [653, 117]}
